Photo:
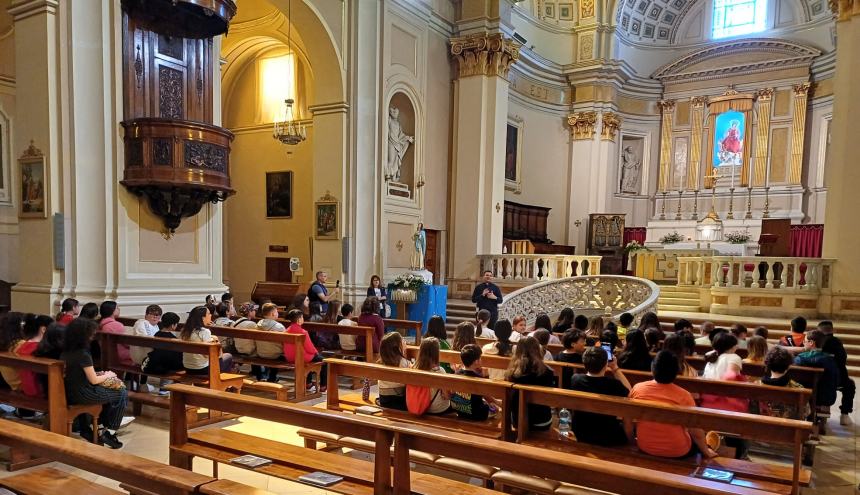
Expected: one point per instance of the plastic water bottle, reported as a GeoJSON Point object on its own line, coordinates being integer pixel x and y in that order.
{"type": "Point", "coordinates": [563, 423]}
{"type": "Point", "coordinates": [365, 390]}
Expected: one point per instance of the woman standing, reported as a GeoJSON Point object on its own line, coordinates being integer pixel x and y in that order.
{"type": "Point", "coordinates": [378, 291]}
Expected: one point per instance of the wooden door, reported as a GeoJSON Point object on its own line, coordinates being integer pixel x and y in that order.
{"type": "Point", "coordinates": [278, 270]}
{"type": "Point", "coordinates": [431, 258]}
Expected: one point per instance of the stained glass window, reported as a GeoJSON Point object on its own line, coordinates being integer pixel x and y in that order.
{"type": "Point", "coordinates": [738, 17]}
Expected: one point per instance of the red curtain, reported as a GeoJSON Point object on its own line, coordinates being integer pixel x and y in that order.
{"type": "Point", "coordinates": [633, 234]}
{"type": "Point", "coordinates": [805, 240]}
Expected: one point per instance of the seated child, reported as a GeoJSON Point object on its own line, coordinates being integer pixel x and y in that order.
{"type": "Point", "coordinates": [471, 406]}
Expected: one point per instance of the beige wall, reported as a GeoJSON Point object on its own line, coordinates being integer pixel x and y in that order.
{"type": "Point", "coordinates": [8, 211]}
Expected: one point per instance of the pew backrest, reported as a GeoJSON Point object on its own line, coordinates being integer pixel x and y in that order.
{"type": "Point", "coordinates": [54, 403]}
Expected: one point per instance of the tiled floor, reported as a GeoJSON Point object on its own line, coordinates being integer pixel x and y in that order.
{"type": "Point", "coordinates": [835, 473]}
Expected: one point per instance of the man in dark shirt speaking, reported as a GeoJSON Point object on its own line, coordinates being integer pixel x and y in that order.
{"type": "Point", "coordinates": [487, 295]}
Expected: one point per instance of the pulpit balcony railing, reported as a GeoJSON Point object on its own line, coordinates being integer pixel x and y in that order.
{"type": "Point", "coordinates": [530, 268]}
{"type": "Point", "coordinates": [756, 273]}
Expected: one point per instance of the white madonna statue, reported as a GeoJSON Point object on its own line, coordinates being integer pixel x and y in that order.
{"type": "Point", "coordinates": [398, 143]}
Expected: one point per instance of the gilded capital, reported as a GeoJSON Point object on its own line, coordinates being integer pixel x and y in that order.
{"type": "Point", "coordinates": [487, 54]}
{"type": "Point", "coordinates": [582, 124]}
{"type": "Point", "coordinates": [699, 101]}
{"type": "Point", "coordinates": [609, 126]}
{"type": "Point", "coordinates": [764, 94]}
{"type": "Point", "coordinates": [667, 106]}
{"type": "Point", "coordinates": [801, 89]}
{"type": "Point", "coordinates": [844, 9]}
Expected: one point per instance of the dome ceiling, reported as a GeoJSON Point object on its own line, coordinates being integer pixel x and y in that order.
{"type": "Point", "coordinates": [659, 21]}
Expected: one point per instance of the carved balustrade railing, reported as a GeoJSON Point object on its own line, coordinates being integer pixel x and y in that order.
{"type": "Point", "coordinates": [614, 294]}
{"type": "Point", "coordinates": [528, 268]}
{"type": "Point", "coordinates": [756, 272]}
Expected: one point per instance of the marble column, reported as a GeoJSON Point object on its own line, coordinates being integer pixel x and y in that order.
{"type": "Point", "coordinates": [482, 62]}
{"type": "Point", "coordinates": [842, 175]}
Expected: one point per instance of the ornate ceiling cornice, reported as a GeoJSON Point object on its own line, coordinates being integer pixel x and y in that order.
{"type": "Point", "coordinates": [788, 55]}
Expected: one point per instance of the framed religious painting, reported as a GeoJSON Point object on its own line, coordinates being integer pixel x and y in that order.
{"type": "Point", "coordinates": [729, 139]}
{"type": "Point", "coordinates": [33, 202]}
{"type": "Point", "coordinates": [326, 218]}
{"type": "Point", "coordinates": [514, 155]}
{"type": "Point", "coordinates": [279, 194]}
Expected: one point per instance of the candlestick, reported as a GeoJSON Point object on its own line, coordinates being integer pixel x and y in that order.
{"type": "Point", "coordinates": [731, 215]}
{"type": "Point", "coordinates": [748, 216]}
{"type": "Point", "coordinates": [766, 212]}
{"type": "Point", "coordinates": [678, 213]}
{"type": "Point", "coordinates": [695, 205]}
{"type": "Point", "coordinates": [663, 207]}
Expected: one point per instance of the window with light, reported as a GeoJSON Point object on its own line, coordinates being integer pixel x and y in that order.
{"type": "Point", "coordinates": [738, 17]}
{"type": "Point", "coordinates": [277, 82]}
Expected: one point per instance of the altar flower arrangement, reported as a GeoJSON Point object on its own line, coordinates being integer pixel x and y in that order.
{"type": "Point", "coordinates": [737, 237]}
{"type": "Point", "coordinates": [634, 246]}
{"type": "Point", "coordinates": [671, 238]}
{"type": "Point", "coordinates": [409, 281]}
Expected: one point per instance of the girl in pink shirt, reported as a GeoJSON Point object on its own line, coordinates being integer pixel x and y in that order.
{"type": "Point", "coordinates": [109, 311]}
{"type": "Point", "coordinates": [309, 351]}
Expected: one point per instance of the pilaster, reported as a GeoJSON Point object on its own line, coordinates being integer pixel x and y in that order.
{"type": "Point", "coordinates": [667, 107]}
{"type": "Point", "coordinates": [698, 120]}
{"type": "Point", "coordinates": [762, 136]}
{"type": "Point", "coordinates": [801, 91]}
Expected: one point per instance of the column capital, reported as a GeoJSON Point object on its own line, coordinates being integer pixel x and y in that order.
{"type": "Point", "coordinates": [801, 90]}
{"type": "Point", "coordinates": [609, 126]}
{"type": "Point", "coordinates": [484, 54]}
{"type": "Point", "coordinates": [844, 9]}
{"type": "Point", "coordinates": [699, 101]}
{"type": "Point", "coordinates": [666, 105]}
{"type": "Point", "coordinates": [582, 124]}
{"type": "Point", "coordinates": [764, 94]}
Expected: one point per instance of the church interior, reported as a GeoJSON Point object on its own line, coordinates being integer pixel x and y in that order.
{"type": "Point", "coordinates": [394, 186]}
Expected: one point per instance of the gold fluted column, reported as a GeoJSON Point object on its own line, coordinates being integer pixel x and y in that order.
{"type": "Point", "coordinates": [696, 142]}
{"type": "Point", "coordinates": [668, 109]}
{"type": "Point", "coordinates": [762, 136]}
{"type": "Point", "coordinates": [797, 126]}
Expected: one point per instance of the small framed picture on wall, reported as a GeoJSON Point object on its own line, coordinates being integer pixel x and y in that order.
{"type": "Point", "coordinates": [279, 194]}
{"type": "Point", "coordinates": [326, 218]}
{"type": "Point", "coordinates": [34, 203]}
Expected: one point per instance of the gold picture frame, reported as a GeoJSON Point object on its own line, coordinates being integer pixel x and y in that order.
{"type": "Point", "coordinates": [327, 218]}
{"type": "Point", "coordinates": [33, 197]}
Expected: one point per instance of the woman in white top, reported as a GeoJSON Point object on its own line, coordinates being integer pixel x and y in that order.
{"type": "Point", "coordinates": [195, 331]}
{"type": "Point", "coordinates": [502, 347]}
{"type": "Point", "coordinates": [482, 319]}
{"type": "Point", "coordinates": [725, 345]}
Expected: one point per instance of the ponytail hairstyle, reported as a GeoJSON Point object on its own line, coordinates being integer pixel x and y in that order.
{"type": "Point", "coordinates": [483, 316]}
{"type": "Point", "coordinates": [503, 330]}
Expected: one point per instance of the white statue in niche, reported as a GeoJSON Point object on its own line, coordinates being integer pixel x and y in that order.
{"type": "Point", "coordinates": [631, 165]}
{"type": "Point", "coordinates": [398, 143]}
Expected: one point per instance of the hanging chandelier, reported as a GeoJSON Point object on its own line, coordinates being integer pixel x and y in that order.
{"type": "Point", "coordinates": [289, 130]}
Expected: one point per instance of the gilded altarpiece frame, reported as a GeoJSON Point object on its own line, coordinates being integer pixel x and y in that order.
{"type": "Point", "coordinates": [730, 122]}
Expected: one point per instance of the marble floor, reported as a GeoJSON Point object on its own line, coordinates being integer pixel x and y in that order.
{"type": "Point", "coordinates": [836, 471]}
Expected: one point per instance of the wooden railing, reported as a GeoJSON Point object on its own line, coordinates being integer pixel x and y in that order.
{"type": "Point", "coordinates": [756, 272]}
{"type": "Point", "coordinates": [538, 267]}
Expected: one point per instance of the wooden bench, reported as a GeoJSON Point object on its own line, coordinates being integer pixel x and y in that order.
{"type": "Point", "coordinates": [359, 331]}
{"type": "Point", "coordinates": [748, 426]}
{"type": "Point", "coordinates": [131, 471]}
{"type": "Point", "coordinates": [289, 461]}
{"type": "Point", "coordinates": [404, 326]}
{"type": "Point", "coordinates": [498, 427]}
{"type": "Point", "coordinates": [300, 368]}
{"type": "Point", "coordinates": [214, 379]}
{"type": "Point", "coordinates": [571, 471]}
{"type": "Point", "coordinates": [59, 413]}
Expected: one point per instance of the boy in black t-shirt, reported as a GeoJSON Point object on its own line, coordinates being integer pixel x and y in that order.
{"type": "Point", "coordinates": [471, 406]}
{"type": "Point", "coordinates": [574, 343]}
{"type": "Point", "coordinates": [599, 429]}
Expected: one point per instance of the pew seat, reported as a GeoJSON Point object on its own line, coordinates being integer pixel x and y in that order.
{"type": "Point", "coordinates": [290, 462]}
{"type": "Point", "coordinates": [51, 481]}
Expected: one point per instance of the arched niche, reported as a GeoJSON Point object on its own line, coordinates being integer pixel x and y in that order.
{"type": "Point", "coordinates": [409, 166]}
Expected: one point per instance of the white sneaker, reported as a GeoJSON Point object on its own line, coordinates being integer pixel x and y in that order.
{"type": "Point", "coordinates": [845, 420]}
{"type": "Point", "coordinates": [152, 389]}
{"type": "Point", "coordinates": [126, 420]}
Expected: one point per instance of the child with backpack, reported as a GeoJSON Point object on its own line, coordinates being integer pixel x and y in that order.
{"type": "Point", "coordinates": [421, 400]}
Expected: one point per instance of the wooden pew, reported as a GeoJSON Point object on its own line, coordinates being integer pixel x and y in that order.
{"type": "Point", "coordinates": [300, 368]}
{"type": "Point", "coordinates": [405, 326]}
{"type": "Point", "coordinates": [358, 331]}
{"type": "Point", "coordinates": [494, 428]}
{"type": "Point", "coordinates": [215, 379]}
{"type": "Point", "coordinates": [59, 413]}
{"type": "Point", "coordinates": [135, 473]}
{"type": "Point", "coordinates": [290, 461]}
{"type": "Point", "coordinates": [552, 348]}
{"type": "Point", "coordinates": [749, 426]}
